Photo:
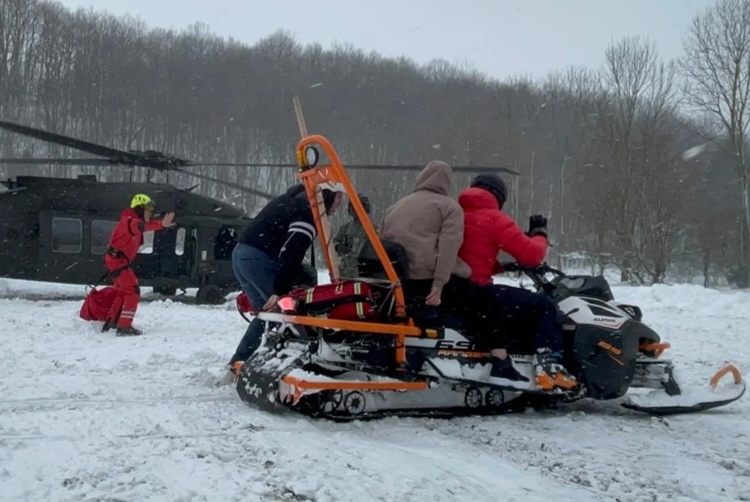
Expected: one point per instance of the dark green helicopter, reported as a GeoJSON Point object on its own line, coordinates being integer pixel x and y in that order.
{"type": "Point", "coordinates": [56, 229]}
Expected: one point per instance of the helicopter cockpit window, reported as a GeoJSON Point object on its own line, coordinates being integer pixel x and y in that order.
{"type": "Point", "coordinates": [67, 235]}
{"type": "Point", "coordinates": [179, 243]}
{"type": "Point", "coordinates": [100, 232]}
{"type": "Point", "coordinates": [148, 243]}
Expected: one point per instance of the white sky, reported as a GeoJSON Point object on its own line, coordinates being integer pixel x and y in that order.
{"type": "Point", "coordinates": [498, 37]}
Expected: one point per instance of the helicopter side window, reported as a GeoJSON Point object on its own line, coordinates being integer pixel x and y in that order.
{"type": "Point", "coordinates": [148, 243]}
{"type": "Point", "coordinates": [100, 233]}
{"type": "Point", "coordinates": [179, 243]}
{"type": "Point", "coordinates": [67, 235]}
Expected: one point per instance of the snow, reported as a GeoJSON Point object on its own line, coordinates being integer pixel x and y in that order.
{"type": "Point", "coordinates": [87, 416]}
{"type": "Point", "coordinates": [694, 151]}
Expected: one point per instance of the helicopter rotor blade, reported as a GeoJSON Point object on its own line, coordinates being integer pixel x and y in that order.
{"type": "Point", "coordinates": [227, 183]}
{"type": "Point", "coordinates": [77, 144]}
{"type": "Point", "coordinates": [366, 167]}
{"type": "Point", "coordinates": [61, 162]}
{"type": "Point", "coordinates": [160, 161]}
{"type": "Point", "coordinates": [413, 167]}
{"type": "Point", "coordinates": [149, 159]}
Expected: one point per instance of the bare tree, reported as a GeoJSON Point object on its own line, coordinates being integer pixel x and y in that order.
{"type": "Point", "coordinates": [717, 65]}
{"type": "Point", "coordinates": [598, 153]}
{"type": "Point", "coordinates": [632, 202]}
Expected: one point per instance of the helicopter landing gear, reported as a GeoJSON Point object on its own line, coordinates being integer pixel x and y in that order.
{"type": "Point", "coordinates": [210, 294]}
{"type": "Point", "coordinates": [165, 290]}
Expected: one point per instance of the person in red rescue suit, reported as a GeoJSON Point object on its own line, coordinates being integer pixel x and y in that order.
{"type": "Point", "coordinates": [487, 232]}
{"type": "Point", "coordinates": [126, 238]}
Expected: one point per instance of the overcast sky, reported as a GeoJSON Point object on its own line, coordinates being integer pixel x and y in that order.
{"type": "Point", "coordinates": [499, 37]}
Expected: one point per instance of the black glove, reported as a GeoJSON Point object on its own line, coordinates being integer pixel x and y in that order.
{"type": "Point", "coordinates": [537, 225]}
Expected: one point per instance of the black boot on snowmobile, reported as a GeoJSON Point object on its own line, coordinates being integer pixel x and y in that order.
{"type": "Point", "coordinates": [503, 373]}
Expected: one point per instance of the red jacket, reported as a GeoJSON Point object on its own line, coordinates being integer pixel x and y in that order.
{"type": "Point", "coordinates": [127, 236]}
{"type": "Point", "coordinates": [487, 231]}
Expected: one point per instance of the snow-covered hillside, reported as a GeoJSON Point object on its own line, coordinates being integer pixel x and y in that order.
{"type": "Point", "coordinates": [86, 416]}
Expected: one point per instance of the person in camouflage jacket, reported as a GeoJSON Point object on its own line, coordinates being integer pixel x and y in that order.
{"type": "Point", "coordinates": [350, 239]}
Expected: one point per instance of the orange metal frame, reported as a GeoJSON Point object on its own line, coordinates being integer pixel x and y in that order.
{"type": "Point", "coordinates": [299, 386]}
{"type": "Point", "coordinates": [657, 348]}
{"type": "Point", "coordinates": [335, 172]}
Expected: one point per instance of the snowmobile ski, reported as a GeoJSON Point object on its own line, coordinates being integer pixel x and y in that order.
{"type": "Point", "coordinates": [659, 402]}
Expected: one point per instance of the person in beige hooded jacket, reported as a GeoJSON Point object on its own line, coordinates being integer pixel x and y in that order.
{"type": "Point", "coordinates": [430, 225]}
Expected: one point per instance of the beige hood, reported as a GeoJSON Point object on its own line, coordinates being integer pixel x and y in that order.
{"type": "Point", "coordinates": [435, 177]}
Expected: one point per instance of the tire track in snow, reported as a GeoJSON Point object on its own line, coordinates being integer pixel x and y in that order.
{"type": "Point", "coordinates": [186, 399]}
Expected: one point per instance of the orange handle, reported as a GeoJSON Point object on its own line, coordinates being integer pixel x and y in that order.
{"type": "Point", "coordinates": [729, 368]}
{"type": "Point", "coordinates": [657, 348]}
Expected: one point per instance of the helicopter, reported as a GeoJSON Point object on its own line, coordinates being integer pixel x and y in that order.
{"type": "Point", "coordinates": [57, 229]}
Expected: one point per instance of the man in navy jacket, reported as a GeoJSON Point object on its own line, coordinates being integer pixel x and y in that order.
{"type": "Point", "coordinates": [269, 253]}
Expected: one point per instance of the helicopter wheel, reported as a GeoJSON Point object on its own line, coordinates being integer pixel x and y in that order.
{"type": "Point", "coordinates": [165, 290]}
{"type": "Point", "coordinates": [209, 295]}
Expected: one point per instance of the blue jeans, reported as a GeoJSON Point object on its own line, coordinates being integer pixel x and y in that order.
{"type": "Point", "coordinates": [256, 273]}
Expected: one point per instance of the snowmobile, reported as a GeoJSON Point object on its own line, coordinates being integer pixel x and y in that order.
{"type": "Point", "coordinates": [352, 349]}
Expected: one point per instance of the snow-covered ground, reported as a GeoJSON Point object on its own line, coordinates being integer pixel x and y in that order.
{"type": "Point", "coordinates": [86, 416]}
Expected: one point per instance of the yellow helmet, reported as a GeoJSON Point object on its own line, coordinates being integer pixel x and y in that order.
{"type": "Point", "coordinates": [142, 200]}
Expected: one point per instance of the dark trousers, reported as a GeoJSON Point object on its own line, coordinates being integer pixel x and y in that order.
{"type": "Point", "coordinates": [496, 316]}
{"type": "Point", "coordinates": [523, 314]}
{"type": "Point", "coordinates": [460, 298]}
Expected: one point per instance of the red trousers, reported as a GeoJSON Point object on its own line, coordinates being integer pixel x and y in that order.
{"type": "Point", "coordinates": [126, 283]}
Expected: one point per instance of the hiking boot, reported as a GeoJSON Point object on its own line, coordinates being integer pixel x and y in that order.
{"type": "Point", "coordinates": [128, 331]}
{"type": "Point", "coordinates": [108, 325]}
{"type": "Point", "coordinates": [504, 373]}
{"type": "Point", "coordinates": [233, 372]}
{"type": "Point", "coordinates": [550, 373]}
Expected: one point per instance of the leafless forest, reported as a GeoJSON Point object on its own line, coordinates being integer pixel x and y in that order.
{"type": "Point", "coordinates": [640, 163]}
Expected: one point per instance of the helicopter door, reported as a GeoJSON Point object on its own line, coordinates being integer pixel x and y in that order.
{"type": "Point", "coordinates": [63, 246]}
{"type": "Point", "coordinates": [185, 249]}
{"type": "Point", "coordinates": [174, 253]}
{"type": "Point", "coordinates": [167, 245]}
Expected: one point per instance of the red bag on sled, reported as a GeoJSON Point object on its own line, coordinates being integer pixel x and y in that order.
{"type": "Point", "coordinates": [346, 301]}
{"type": "Point", "coordinates": [244, 306]}
{"type": "Point", "coordinates": [97, 303]}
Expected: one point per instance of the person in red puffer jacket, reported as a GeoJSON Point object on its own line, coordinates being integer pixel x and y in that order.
{"type": "Point", "coordinates": [487, 232]}
{"type": "Point", "coordinates": [126, 238]}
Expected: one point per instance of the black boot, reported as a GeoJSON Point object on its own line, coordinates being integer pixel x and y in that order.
{"type": "Point", "coordinates": [108, 325]}
{"type": "Point", "coordinates": [504, 373]}
{"type": "Point", "coordinates": [128, 331]}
